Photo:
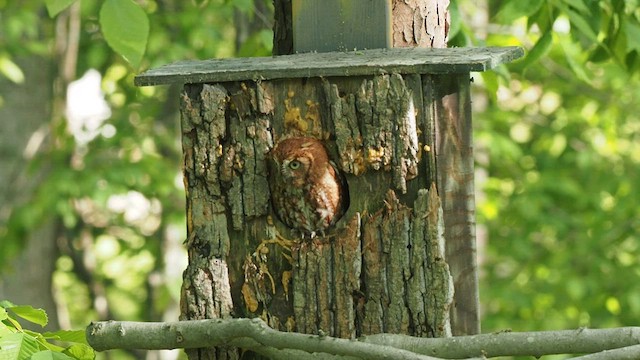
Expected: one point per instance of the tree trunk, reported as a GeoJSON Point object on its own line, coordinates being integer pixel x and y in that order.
{"type": "Point", "coordinates": [420, 23]}
{"type": "Point", "coordinates": [282, 28]}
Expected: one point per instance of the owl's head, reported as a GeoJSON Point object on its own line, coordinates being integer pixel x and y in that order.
{"type": "Point", "coordinates": [299, 160]}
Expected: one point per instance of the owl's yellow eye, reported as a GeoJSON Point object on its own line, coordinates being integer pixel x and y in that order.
{"type": "Point", "coordinates": [294, 165]}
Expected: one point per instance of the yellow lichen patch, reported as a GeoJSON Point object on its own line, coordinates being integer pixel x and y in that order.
{"type": "Point", "coordinates": [258, 281]}
{"type": "Point", "coordinates": [359, 165]}
{"type": "Point", "coordinates": [312, 117]}
{"type": "Point", "coordinates": [375, 156]}
{"type": "Point", "coordinates": [308, 123]}
{"type": "Point", "coordinates": [353, 158]}
{"type": "Point", "coordinates": [238, 163]}
{"type": "Point", "coordinates": [286, 279]}
{"type": "Point", "coordinates": [292, 117]}
{"type": "Point", "coordinates": [290, 325]}
{"type": "Point", "coordinates": [265, 271]}
{"type": "Point", "coordinates": [249, 297]}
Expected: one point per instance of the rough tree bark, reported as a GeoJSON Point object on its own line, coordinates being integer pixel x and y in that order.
{"type": "Point", "coordinates": [425, 23]}
{"type": "Point", "coordinates": [282, 28]}
{"type": "Point", "coordinates": [381, 270]}
{"type": "Point", "coordinates": [420, 23]}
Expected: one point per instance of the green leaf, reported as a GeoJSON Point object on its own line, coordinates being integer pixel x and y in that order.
{"type": "Point", "coordinates": [3, 314]}
{"type": "Point", "coordinates": [600, 54]}
{"type": "Point", "coordinates": [577, 67]}
{"type": "Point", "coordinates": [125, 27]}
{"type": "Point", "coordinates": [633, 35]}
{"type": "Point", "coordinates": [578, 5]}
{"type": "Point", "coordinates": [516, 9]}
{"type": "Point", "coordinates": [581, 24]}
{"type": "Point", "coordinates": [11, 70]}
{"type": "Point", "coordinates": [6, 304]}
{"type": "Point", "coordinates": [81, 351]}
{"type": "Point", "coordinates": [576, 59]}
{"type": "Point", "coordinates": [54, 7]}
{"type": "Point", "coordinates": [76, 336]}
{"type": "Point", "coordinates": [17, 346]}
{"type": "Point", "coordinates": [491, 83]}
{"type": "Point", "coordinates": [36, 316]}
{"type": "Point", "coordinates": [631, 61]}
{"type": "Point", "coordinates": [540, 49]}
{"type": "Point", "coordinates": [5, 330]}
{"type": "Point", "coordinates": [259, 44]}
{"type": "Point", "coordinates": [44, 345]}
{"type": "Point", "coordinates": [246, 6]}
{"type": "Point", "coordinates": [50, 355]}
{"type": "Point", "coordinates": [544, 18]}
{"type": "Point", "coordinates": [13, 323]}
{"type": "Point", "coordinates": [456, 19]}
{"type": "Point", "coordinates": [618, 44]}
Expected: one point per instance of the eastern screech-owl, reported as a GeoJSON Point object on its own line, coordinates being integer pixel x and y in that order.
{"type": "Point", "coordinates": [308, 193]}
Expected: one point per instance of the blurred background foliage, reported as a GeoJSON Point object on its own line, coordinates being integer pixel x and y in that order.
{"type": "Point", "coordinates": [557, 138]}
{"type": "Point", "coordinates": [558, 152]}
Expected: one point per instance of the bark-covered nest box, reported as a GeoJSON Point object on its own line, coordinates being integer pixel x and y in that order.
{"type": "Point", "coordinates": [396, 125]}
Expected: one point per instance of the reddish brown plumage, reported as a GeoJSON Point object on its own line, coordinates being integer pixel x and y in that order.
{"type": "Point", "coordinates": [307, 191]}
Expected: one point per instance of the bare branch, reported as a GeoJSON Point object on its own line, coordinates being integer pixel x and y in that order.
{"type": "Point", "coordinates": [255, 335]}
{"type": "Point", "coordinates": [625, 353]}
{"type": "Point", "coordinates": [580, 341]}
{"type": "Point", "coordinates": [218, 332]}
{"type": "Point", "coordinates": [273, 353]}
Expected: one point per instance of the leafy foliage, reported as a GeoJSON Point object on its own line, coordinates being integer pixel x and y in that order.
{"type": "Point", "coordinates": [17, 342]}
{"type": "Point", "coordinates": [560, 206]}
{"type": "Point", "coordinates": [118, 199]}
{"type": "Point", "coordinates": [126, 28]}
{"type": "Point", "coordinates": [558, 138]}
{"type": "Point", "coordinates": [603, 30]}
{"type": "Point", "coordinates": [124, 24]}
{"type": "Point", "coordinates": [54, 7]}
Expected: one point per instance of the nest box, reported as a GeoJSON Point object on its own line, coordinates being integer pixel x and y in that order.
{"type": "Point", "coordinates": [397, 124]}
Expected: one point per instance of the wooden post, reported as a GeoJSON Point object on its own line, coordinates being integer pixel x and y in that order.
{"type": "Point", "coordinates": [382, 115]}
